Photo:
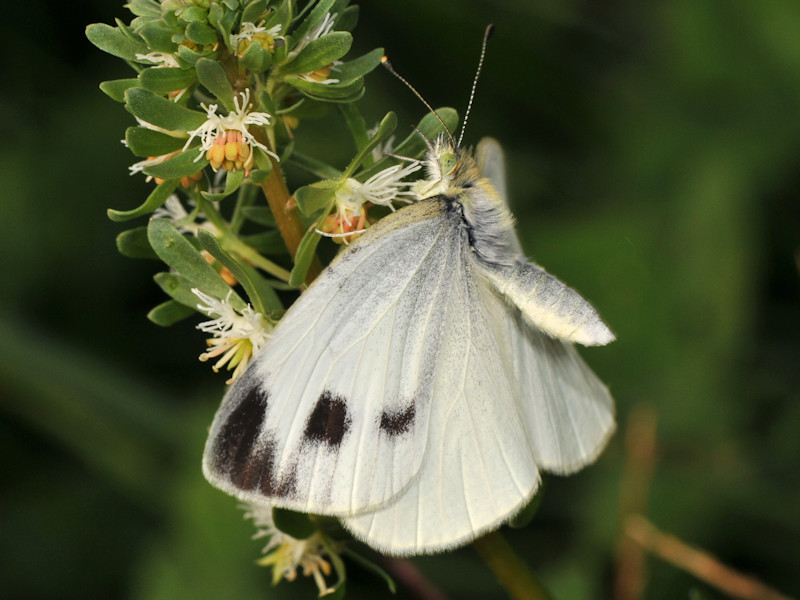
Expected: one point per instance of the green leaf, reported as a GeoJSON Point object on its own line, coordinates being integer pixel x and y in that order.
{"type": "Point", "coordinates": [192, 56]}
{"type": "Point", "coordinates": [315, 197]}
{"type": "Point", "coordinates": [158, 36]}
{"type": "Point", "coordinates": [525, 516]}
{"type": "Point", "coordinates": [133, 244]}
{"type": "Point", "coordinates": [178, 288]}
{"type": "Point", "coordinates": [355, 123]}
{"type": "Point", "coordinates": [201, 34]}
{"type": "Point", "coordinates": [414, 145]}
{"type": "Point", "coordinates": [295, 524]}
{"type": "Point", "coordinates": [116, 88]}
{"type": "Point", "coordinates": [144, 8]}
{"type": "Point", "coordinates": [213, 77]}
{"type": "Point", "coordinates": [347, 19]}
{"type": "Point", "coordinates": [256, 58]}
{"type": "Point", "coordinates": [175, 250]}
{"type": "Point", "coordinates": [180, 165]}
{"type": "Point", "coordinates": [222, 20]}
{"type": "Point", "coordinates": [319, 53]}
{"type": "Point", "coordinates": [314, 17]}
{"type": "Point", "coordinates": [169, 313]}
{"type": "Point", "coordinates": [260, 175]}
{"type": "Point", "coordinates": [261, 295]}
{"type": "Point", "coordinates": [330, 92]}
{"type": "Point", "coordinates": [149, 142]}
{"type": "Point", "coordinates": [161, 112]}
{"type": "Point", "coordinates": [430, 127]}
{"type": "Point", "coordinates": [166, 80]}
{"type": "Point", "coordinates": [305, 254]}
{"type": "Point", "coordinates": [254, 12]}
{"type": "Point", "coordinates": [114, 41]}
{"type": "Point", "coordinates": [156, 199]}
{"type": "Point", "coordinates": [232, 182]}
{"type": "Point", "coordinates": [282, 16]}
{"type": "Point", "coordinates": [194, 14]}
{"type": "Point", "coordinates": [358, 67]}
{"type": "Point", "coordinates": [385, 129]}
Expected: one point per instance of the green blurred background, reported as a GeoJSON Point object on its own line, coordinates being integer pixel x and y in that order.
{"type": "Point", "coordinates": [654, 154]}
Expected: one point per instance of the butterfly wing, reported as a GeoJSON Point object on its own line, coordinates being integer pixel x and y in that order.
{"type": "Point", "coordinates": [479, 468]}
{"type": "Point", "coordinates": [332, 416]}
{"type": "Point", "coordinates": [548, 304]}
{"type": "Point", "coordinates": [568, 412]}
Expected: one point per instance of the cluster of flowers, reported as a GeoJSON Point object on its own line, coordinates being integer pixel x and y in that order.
{"type": "Point", "coordinates": [221, 85]}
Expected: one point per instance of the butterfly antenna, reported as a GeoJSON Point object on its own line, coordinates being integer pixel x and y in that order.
{"type": "Point", "coordinates": [385, 62]}
{"type": "Point", "coordinates": [487, 34]}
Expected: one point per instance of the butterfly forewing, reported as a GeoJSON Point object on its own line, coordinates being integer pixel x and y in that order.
{"type": "Point", "coordinates": [332, 417]}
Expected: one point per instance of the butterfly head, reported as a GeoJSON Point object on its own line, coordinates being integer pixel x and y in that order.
{"type": "Point", "coordinates": [449, 169]}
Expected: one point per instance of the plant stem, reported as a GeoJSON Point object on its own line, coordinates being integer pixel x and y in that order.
{"type": "Point", "coordinates": [513, 573]}
{"type": "Point", "coordinates": [253, 257]}
{"type": "Point", "coordinates": [229, 241]}
{"type": "Point", "coordinates": [286, 217]}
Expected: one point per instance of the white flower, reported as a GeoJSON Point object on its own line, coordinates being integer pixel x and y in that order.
{"type": "Point", "coordinates": [250, 30]}
{"type": "Point", "coordinates": [383, 188]}
{"type": "Point", "coordinates": [221, 130]}
{"type": "Point", "coordinates": [237, 335]}
{"type": "Point", "coordinates": [159, 59]}
{"type": "Point", "coordinates": [286, 554]}
{"type": "Point", "coordinates": [350, 217]}
{"type": "Point", "coordinates": [322, 28]}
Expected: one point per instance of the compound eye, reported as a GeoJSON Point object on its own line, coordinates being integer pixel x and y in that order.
{"type": "Point", "coordinates": [447, 163]}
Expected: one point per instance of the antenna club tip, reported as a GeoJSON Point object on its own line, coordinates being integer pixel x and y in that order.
{"type": "Point", "coordinates": [489, 31]}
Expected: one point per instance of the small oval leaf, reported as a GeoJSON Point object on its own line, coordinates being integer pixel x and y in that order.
{"type": "Point", "coordinates": [169, 312]}
{"type": "Point", "coordinates": [116, 88]}
{"type": "Point", "coordinates": [161, 112]}
{"type": "Point", "coordinates": [149, 142]}
{"type": "Point", "coordinates": [175, 250]}
{"type": "Point", "coordinates": [180, 165]}
{"type": "Point", "coordinates": [212, 76]}
{"type": "Point", "coordinates": [114, 41]}
{"type": "Point", "coordinates": [133, 244]}
{"type": "Point", "coordinates": [163, 81]}
{"type": "Point", "coordinates": [156, 199]}
{"type": "Point", "coordinates": [314, 197]}
{"type": "Point", "coordinates": [304, 257]}
{"type": "Point", "coordinates": [319, 53]}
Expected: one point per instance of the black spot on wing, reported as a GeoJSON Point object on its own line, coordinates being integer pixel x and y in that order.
{"type": "Point", "coordinates": [247, 461]}
{"type": "Point", "coordinates": [398, 422]}
{"type": "Point", "coordinates": [328, 421]}
{"type": "Point", "coordinates": [237, 437]}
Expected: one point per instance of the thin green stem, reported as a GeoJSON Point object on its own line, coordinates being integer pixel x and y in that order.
{"type": "Point", "coordinates": [513, 573]}
{"type": "Point", "coordinates": [253, 257]}
{"type": "Point", "coordinates": [230, 241]}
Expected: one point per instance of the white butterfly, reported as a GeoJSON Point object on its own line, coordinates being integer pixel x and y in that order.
{"type": "Point", "coordinates": [420, 385]}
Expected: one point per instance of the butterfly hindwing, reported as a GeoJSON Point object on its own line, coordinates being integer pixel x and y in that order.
{"type": "Point", "coordinates": [567, 410]}
{"type": "Point", "coordinates": [332, 416]}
